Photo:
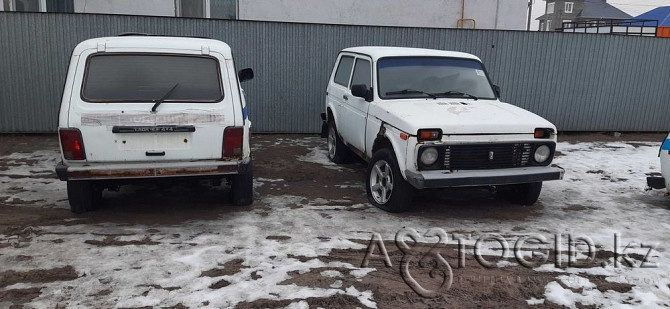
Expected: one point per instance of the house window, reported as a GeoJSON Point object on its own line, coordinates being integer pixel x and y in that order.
{"type": "Point", "coordinates": [60, 6]}
{"type": "Point", "coordinates": [550, 8]}
{"type": "Point", "coordinates": [568, 7]}
{"type": "Point", "coordinates": [549, 25]}
{"type": "Point", "coordinates": [566, 23]}
{"type": "Point", "coordinates": [24, 5]}
{"type": "Point", "coordinates": [224, 9]}
{"type": "Point", "coordinates": [192, 8]}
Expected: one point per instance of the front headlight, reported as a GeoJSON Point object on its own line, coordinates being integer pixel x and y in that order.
{"type": "Point", "coordinates": [542, 154]}
{"type": "Point", "coordinates": [429, 156]}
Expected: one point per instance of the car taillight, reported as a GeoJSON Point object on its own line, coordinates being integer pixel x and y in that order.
{"type": "Point", "coordinates": [233, 139]}
{"type": "Point", "coordinates": [72, 144]}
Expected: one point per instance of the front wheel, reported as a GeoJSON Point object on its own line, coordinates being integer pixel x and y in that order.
{"type": "Point", "coordinates": [385, 186]}
{"type": "Point", "coordinates": [524, 194]}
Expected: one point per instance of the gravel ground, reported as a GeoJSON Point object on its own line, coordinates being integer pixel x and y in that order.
{"type": "Point", "coordinates": [303, 242]}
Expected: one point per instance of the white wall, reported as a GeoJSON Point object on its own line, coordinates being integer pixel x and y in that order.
{"type": "Point", "coordinates": [510, 14]}
{"type": "Point", "coordinates": [128, 7]}
{"type": "Point", "coordinates": [488, 14]}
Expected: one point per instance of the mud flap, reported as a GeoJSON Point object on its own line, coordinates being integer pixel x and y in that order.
{"type": "Point", "coordinates": [656, 182]}
{"type": "Point", "coordinates": [324, 126]}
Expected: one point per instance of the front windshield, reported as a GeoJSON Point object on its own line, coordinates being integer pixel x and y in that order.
{"type": "Point", "coordinates": [426, 77]}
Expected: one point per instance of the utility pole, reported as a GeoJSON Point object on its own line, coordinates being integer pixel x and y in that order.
{"type": "Point", "coordinates": [530, 13]}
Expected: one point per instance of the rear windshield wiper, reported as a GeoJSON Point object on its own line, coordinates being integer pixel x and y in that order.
{"type": "Point", "coordinates": [457, 93]}
{"type": "Point", "coordinates": [165, 97]}
{"type": "Point", "coordinates": [411, 91]}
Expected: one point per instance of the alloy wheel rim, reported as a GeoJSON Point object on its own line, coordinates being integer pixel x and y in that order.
{"type": "Point", "coordinates": [381, 182]}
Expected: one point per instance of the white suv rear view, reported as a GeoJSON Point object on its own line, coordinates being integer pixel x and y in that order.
{"type": "Point", "coordinates": [142, 107]}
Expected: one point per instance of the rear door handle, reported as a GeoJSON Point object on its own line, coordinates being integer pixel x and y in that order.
{"type": "Point", "coordinates": [345, 97]}
{"type": "Point", "coordinates": [155, 153]}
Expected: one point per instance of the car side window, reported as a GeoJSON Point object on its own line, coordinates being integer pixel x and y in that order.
{"type": "Point", "coordinates": [344, 70]}
{"type": "Point", "coordinates": [362, 73]}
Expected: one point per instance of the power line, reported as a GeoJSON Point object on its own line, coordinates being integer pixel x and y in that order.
{"type": "Point", "coordinates": [616, 3]}
{"type": "Point", "coordinates": [628, 4]}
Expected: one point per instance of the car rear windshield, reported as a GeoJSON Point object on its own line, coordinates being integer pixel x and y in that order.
{"type": "Point", "coordinates": [150, 77]}
{"type": "Point", "coordinates": [411, 77]}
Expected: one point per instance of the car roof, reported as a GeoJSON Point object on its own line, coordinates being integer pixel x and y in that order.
{"type": "Point", "coordinates": [163, 43]}
{"type": "Point", "coordinates": [377, 52]}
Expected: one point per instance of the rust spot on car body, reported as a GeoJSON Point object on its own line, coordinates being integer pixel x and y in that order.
{"type": "Point", "coordinates": [153, 172]}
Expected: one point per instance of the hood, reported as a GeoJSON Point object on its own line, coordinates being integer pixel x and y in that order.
{"type": "Point", "coordinates": [458, 116]}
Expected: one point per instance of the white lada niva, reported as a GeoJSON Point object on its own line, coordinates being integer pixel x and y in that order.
{"type": "Point", "coordinates": [432, 119]}
{"type": "Point", "coordinates": [150, 108]}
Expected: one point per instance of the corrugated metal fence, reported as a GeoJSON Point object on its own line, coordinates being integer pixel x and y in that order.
{"type": "Point", "coordinates": [579, 82]}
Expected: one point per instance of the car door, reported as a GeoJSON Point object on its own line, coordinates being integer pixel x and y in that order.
{"type": "Point", "coordinates": [338, 93]}
{"type": "Point", "coordinates": [357, 108]}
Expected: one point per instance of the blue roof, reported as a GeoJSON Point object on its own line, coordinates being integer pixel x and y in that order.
{"type": "Point", "coordinates": [662, 14]}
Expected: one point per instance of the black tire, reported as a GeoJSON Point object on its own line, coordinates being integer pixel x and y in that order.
{"type": "Point", "coordinates": [523, 194]}
{"type": "Point", "coordinates": [242, 188]}
{"type": "Point", "coordinates": [401, 192]}
{"type": "Point", "coordinates": [338, 152]}
{"type": "Point", "coordinates": [83, 195]}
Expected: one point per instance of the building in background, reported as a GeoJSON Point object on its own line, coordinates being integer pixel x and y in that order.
{"type": "Point", "coordinates": [558, 12]}
{"type": "Point", "coordinates": [662, 15]}
{"type": "Point", "coordinates": [479, 14]}
{"type": "Point", "coordinates": [655, 23]}
{"type": "Point", "coordinates": [221, 9]}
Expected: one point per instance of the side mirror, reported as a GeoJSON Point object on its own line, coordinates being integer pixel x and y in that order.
{"type": "Point", "coordinates": [496, 88]}
{"type": "Point", "coordinates": [245, 75]}
{"type": "Point", "coordinates": [362, 91]}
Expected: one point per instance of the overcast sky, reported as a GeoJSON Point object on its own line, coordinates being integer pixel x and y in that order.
{"type": "Point", "coordinates": [632, 7]}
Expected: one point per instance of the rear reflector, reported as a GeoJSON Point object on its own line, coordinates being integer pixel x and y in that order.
{"type": "Point", "coordinates": [72, 144]}
{"type": "Point", "coordinates": [233, 139]}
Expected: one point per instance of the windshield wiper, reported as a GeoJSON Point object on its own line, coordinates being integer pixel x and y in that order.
{"type": "Point", "coordinates": [161, 100]}
{"type": "Point", "coordinates": [458, 93]}
{"type": "Point", "coordinates": [411, 91]}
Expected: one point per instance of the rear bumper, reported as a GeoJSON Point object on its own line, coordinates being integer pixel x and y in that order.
{"type": "Point", "coordinates": [442, 179]}
{"type": "Point", "coordinates": [152, 170]}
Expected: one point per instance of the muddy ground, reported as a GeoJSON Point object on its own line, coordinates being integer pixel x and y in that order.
{"type": "Point", "coordinates": [155, 215]}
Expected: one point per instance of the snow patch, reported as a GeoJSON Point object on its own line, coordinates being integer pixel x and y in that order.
{"type": "Point", "coordinates": [331, 273]}
{"type": "Point", "coordinates": [318, 155]}
{"type": "Point", "coordinates": [534, 301]}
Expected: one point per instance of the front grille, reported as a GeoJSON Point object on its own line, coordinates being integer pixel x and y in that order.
{"type": "Point", "coordinates": [486, 156]}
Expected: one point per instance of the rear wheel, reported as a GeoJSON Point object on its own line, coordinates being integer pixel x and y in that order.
{"type": "Point", "coordinates": [338, 152]}
{"type": "Point", "coordinates": [385, 186]}
{"type": "Point", "coordinates": [83, 195]}
{"type": "Point", "coordinates": [242, 188]}
{"type": "Point", "coordinates": [524, 194]}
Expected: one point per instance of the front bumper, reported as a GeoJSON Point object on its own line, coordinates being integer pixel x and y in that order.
{"type": "Point", "coordinates": [152, 170]}
{"type": "Point", "coordinates": [442, 179]}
